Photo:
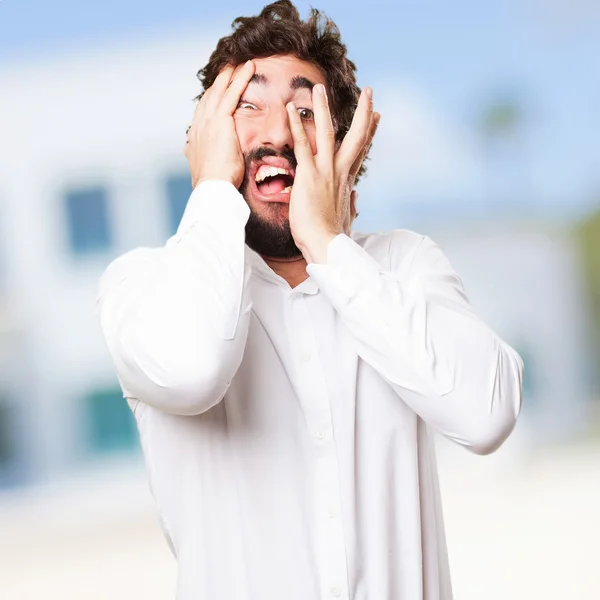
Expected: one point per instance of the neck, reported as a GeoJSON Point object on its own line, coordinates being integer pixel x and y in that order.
{"type": "Point", "coordinates": [293, 270]}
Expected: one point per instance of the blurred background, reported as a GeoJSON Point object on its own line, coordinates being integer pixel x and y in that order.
{"type": "Point", "coordinates": [488, 143]}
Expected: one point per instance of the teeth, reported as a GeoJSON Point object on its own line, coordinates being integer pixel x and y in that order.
{"type": "Point", "coordinates": [287, 190]}
{"type": "Point", "coordinates": [265, 171]}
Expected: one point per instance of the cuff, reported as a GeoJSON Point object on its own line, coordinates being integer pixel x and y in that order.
{"type": "Point", "coordinates": [349, 269]}
{"type": "Point", "coordinates": [216, 201]}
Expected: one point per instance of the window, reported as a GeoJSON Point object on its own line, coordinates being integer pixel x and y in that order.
{"type": "Point", "coordinates": [179, 189]}
{"type": "Point", "coordinates": [110, 422]}
{"type": "Point", "coordinates": [12, 469]}
{"type": "Point", "coordinates": [7, 445]}
{"type": "Point", "coordinates": [88, 220]}
{"type": "Point", "coordinates": [529, 374]}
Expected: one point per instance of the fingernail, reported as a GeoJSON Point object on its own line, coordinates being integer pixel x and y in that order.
{"type": "Point", "coordinates": [248, 63]}
{"type": "Point", "coordinates": [320, 89]}
{"type": "Point", "coordinates": [369, 93]}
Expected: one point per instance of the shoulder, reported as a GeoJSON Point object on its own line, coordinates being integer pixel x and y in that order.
{"type": "Point", "coordinates": [414, 257]}
{"type": "Point", "coordinates": [395, 249]}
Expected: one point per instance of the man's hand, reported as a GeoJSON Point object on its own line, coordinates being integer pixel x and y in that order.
{"type": "Point", "coordinates": [322, 198]}
{"type": "Point", "coordinates": [212, 148]}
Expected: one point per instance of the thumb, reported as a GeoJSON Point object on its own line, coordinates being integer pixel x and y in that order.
{"type": "Point", "coordinates": [353, 198]}
{"type": "Point", "coordinates": [350, 213]}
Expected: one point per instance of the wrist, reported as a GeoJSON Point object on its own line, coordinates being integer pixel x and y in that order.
{"type": "Point", "coordinates": [314, 248]}
{"type": "Point", "coordinates": [215, 177]}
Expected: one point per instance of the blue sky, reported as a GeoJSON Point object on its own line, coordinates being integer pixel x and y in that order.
{"type": "Point", "coordinates": [460, 54]}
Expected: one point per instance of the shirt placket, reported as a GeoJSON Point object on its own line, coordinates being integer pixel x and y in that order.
{"type": "Point", "coordinates": [315, 400]}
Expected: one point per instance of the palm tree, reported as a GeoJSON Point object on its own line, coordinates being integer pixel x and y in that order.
{"type": "Point", "coordinates": [501, 128]}
{"type": "Point", "coordinates": [589, 239]}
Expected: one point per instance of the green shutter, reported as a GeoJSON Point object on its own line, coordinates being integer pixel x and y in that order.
{"type": "Point", "coordinates": [7, 436]}
{"type": "Point", "coordinates": [111, 425]}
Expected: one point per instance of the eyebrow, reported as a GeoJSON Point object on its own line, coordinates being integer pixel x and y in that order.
{"type": "Point", "coordinates": [259, 78]}
{"type": "Point", "coordinates": [297, 83]}
{"type": "Point", "coordinates": [300, 82]}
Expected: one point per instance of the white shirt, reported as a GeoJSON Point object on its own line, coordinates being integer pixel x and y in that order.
{"type": "Point", "coordinates": [287, 432]}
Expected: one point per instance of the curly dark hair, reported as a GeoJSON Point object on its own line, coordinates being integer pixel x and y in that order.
{"type": "Point", "coordinates": [279, 30]}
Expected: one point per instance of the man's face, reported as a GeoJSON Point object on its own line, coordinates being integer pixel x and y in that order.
{"type": "Point", "coordinates": [264, 133]}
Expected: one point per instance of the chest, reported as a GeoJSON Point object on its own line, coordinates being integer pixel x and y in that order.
{"type": "Point", "coordinates": [302, 375]}
{"type": "Point", "coordinates": [299, 361]}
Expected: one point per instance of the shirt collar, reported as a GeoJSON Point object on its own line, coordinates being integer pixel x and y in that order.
{"type": "Point", "coordinates": [262, 270]}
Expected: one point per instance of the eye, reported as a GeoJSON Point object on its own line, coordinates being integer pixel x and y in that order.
{"type": "Point", "coordinates": [247, 105]}
{"type": "Point", "coordinates": [306, 114]}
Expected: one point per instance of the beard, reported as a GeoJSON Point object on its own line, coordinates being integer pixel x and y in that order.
{"type": "Point", "coordinates": [268, 236]}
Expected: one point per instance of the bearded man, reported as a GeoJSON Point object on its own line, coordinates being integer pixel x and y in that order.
{"type": "Point", "coordinates": [287, 373]}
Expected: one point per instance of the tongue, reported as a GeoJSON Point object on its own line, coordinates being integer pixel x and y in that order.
{"type": "Point", "coordinates": [273, 185]}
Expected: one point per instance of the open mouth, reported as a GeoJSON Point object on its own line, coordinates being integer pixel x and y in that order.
{"type": "Point", "coordinates": [274, 182]}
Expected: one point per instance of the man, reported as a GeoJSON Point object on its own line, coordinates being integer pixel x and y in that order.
{"type": "Point", "coordinates": [286, 373]}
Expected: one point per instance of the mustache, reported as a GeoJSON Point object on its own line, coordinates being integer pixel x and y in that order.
{"type": "Point", "coordinates": [262, 151]}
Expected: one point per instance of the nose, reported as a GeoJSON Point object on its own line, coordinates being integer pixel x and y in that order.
{"type": "Point", "coordinates": [276, 132]}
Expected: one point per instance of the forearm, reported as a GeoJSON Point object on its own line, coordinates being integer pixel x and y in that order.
{"type": "Point", "coordinates": [419, 332]}
{"type": "Point", "coordinates": [175, 319]}
{"type": "Point", "coordinates": [444, 362]}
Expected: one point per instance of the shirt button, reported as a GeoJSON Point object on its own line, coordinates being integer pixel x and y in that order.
{"type": "Point", "coordinates": [336, 592]}
{"type": "Point", "coordinates": [305, 357]}
{"type": "Point", "coordinates": [331, 513]}
{"type": "Point", "coordinates": [321, 434]}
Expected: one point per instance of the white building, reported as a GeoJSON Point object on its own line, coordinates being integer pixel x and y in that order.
{"type": "Point", "coordinates": [91, 165]}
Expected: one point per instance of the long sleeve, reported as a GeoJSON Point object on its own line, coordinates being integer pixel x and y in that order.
{"type": "Point", "coordinates": [414, 325]}
{"type": "Point", "coordinates": [175, 318]}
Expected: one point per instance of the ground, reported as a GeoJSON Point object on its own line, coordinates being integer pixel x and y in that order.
{"type": "Point", "coordinates": [521, 524]}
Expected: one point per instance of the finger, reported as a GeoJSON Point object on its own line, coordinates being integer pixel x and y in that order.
{"type": "Point", "coordinates": [231, 98]}
{"type": "Point", "coordinates": [302, 148]}
{"type": "Point", "coordinates": [324, 126]}
{"type": "Point", "coordinates": [361, 157]}
{"type": "Point", "coordinates": [198, 112]}
{"type": "Point", "coordinates": [187, 138]}
{"type": "Point", "coordinates": [189, 130]}
{"type": "Point", "coordinates": [215, 92]}
{"type": "Point", "coordinates": [356, 137]}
